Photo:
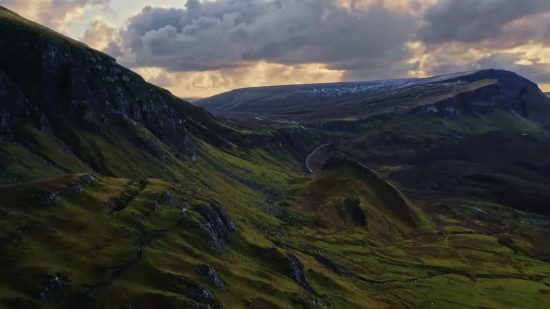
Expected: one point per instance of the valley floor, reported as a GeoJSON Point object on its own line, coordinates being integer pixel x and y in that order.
{"type": "Point", "coordinates": [213, 241]}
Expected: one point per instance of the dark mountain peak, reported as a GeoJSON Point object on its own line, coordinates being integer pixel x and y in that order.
{"type": "Point", "coordinates": [60, 87]}
{"type": "Point", "coordinates": [510, 81]}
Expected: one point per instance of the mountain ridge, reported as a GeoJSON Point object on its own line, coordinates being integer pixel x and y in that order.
{"type": "Point", "coordinates": [359, 99]}
{"type": "Point", "coordinates": [73, 85]}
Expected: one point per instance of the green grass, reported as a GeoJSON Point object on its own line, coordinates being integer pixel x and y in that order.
{"type": "Point", "coordinates": [80, 237]}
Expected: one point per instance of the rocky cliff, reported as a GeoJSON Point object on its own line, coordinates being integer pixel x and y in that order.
{"type": "Point", "coordinates": [66, 90]}
{"type": "Point", "coordinates": [324, 106]}
{"type": "Point", "coordinates": [509, 92]}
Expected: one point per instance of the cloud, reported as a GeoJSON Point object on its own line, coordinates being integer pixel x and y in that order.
{"type": "Point", "coordinates": [204, 84]}
{"type": "Point", "coordinates": [55, 14]}
{"type": "Point", "coordinates": [215, 35]}
{"type": "Point", "coordinates": [539, 72]}
{"type": "Point", "coordinates": [208, 46]}
{"type": "Point", "coordinates": [100, 35]}
{"type": "Point", "coordinates": [470, 21]}
{"type": "Point", "coordinates": [533, 69]}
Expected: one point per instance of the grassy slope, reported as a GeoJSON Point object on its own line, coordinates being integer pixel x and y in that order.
{"type": "Point", "coordinates": [285, 102]}
{"type": "Point", "coordinates": [385, 263]}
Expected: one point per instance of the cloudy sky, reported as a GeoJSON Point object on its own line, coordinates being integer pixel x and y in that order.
{"type": "Point", "coordinates": [200, 48]}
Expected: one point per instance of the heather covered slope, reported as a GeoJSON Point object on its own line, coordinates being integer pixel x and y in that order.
{"type": "Point", "coordinates": [115, 194]}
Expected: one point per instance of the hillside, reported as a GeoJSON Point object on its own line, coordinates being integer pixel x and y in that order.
{"type": "Point", "coordinates": [116, 194]}
{"type": "Point", "coordinates": [473, 134]}
{"type": "Point", "coordinates": [446, 95]}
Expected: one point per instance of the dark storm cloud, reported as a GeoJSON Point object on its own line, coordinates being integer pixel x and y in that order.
{"type": "Point", "coordinates": [385, 70]}
{"type": "Point", "coordinates": [472, 21]}
{"type": "Point", "coordinates": [227, 34]}
{"type": "Point", "coordinates": [537, 72]}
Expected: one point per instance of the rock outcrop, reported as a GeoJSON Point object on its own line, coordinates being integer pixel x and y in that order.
{"type": "Point", "coordinates": [510, 93]}
{"type": "Point", "coordinates": [297, 272]}
{"type": "Point", "coordinates": [217, 225]}
{"type": "Point", "coordinates": [328, 264]}
{"type": "Point", "coordinates": [481, 101]}
{"type": "Point", "coordinates": [210, 276]}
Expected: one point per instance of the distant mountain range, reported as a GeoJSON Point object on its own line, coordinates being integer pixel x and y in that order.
{"type": "Point", "coordinates": [191, 99]}
{"type": "Point", "coordinates": [449, 96]}
{"type": "Point", "coordinates": [443, 129]}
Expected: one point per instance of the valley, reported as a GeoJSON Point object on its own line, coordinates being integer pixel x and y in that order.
{"type": "Point", "coordinates": [410, 193]}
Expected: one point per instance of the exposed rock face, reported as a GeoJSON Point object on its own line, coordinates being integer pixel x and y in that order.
{"type": "Point", "coordinates": [88, 179]}
{"type": "Point", "coordinates": [328, 264]}
{"type": "Point", "coordinates": [201, 296]}
{"type": "Point", "coordinates": [481, 101]}
{"type": "Point", "coordinates": [155, 150]}
{"type": "Point", "coordinates": [167, 198]}
{"type": "Point", "coordinates": [511, 82]}
{"type": "Point", "coordinates": [218, 225]}
{"type": "Point", "coordinates": [199, 293]}
{"type": "Point", "coordinates": [12, 104]}
{"type": "Point", "coordinates": [54, 283]}
{"type": "Point", "coordinates": [50, 197]}
{"type": "Point", "coordinates": [66, 80]}
{"type": "Point", "coordinates": [210, 275]}
{"type": "Point", "coordinates": [77, 188]}
{"type": "Point", "coordinates": [511, 93]}
{"type": "Point", "coordinates": [297, 272]}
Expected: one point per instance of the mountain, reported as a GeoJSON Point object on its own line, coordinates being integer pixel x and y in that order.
{"type": "Point", "coordinates": [193, 99]}
{"type": "Point", "coordinates": [451, 133]}
{"type": "Point", "coordinates": [82, 111]}
{"type": "Point", "coordinates": [117, 194]}
{"type": "Point", "coordinates": [448, 95]}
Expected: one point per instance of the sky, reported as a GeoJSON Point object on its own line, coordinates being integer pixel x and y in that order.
{"type": "Point", "coordinates": [200, 48]}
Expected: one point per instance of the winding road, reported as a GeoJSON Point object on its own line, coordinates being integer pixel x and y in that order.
{"type": "Point", "coordinates": [307, 159]}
